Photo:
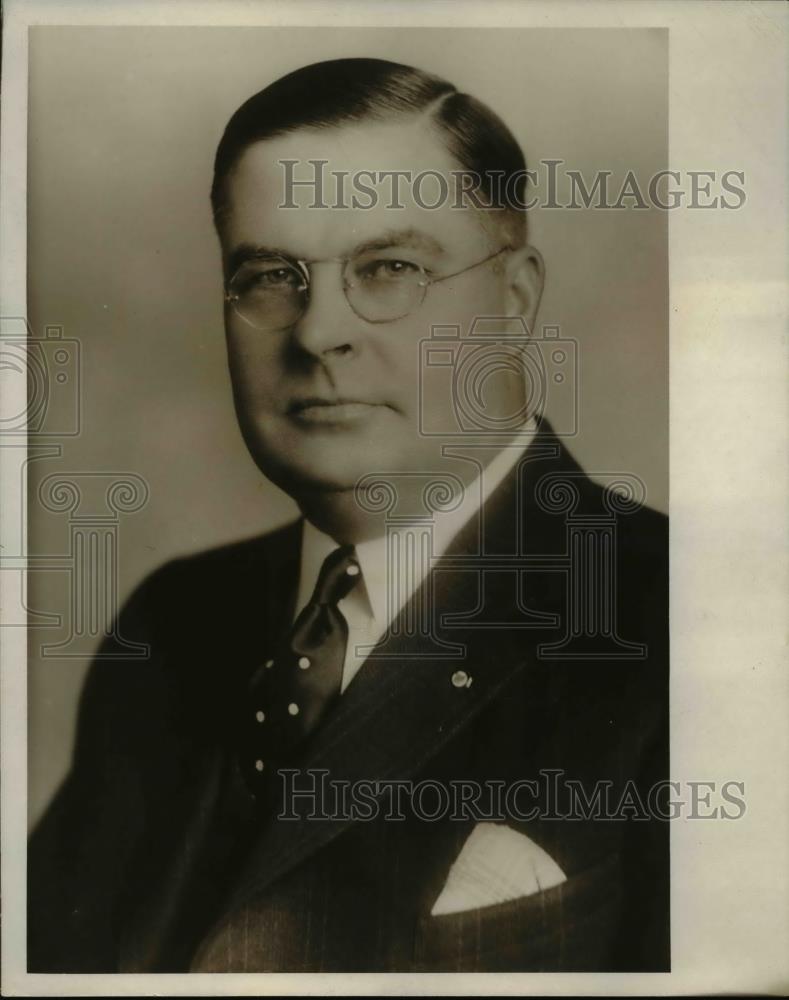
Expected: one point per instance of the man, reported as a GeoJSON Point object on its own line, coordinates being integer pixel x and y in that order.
{"type": "Point", "coordinates": [460, 610]}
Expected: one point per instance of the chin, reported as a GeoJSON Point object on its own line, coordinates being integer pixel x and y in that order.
{"type": "Point", "coordinates": [302, 471]}
{"type": "Point", "coordinates": [323, 460]}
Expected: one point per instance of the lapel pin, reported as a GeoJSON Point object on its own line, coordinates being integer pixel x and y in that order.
{"type": "Point", "coordinates": [460, 679]}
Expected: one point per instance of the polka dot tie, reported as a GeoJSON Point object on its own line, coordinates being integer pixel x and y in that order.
{"type": "Point", "coordinates": [291, 692]}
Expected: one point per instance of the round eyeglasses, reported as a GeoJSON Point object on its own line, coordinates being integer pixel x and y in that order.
{"type": "Point", "coordinates": [271, 292]}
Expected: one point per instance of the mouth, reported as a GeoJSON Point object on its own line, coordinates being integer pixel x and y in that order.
{"type": "Point", "coordinates": [316, 411]}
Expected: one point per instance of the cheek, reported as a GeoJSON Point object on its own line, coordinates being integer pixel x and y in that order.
{"type": "Point", "coordinates": [254, 364]}
{"type": "Point", "coordinates": [460, 301]}
{"type": "Point", "coordinates": [401, 357]}
{"type": "Point", "coordinates": [389, 362]}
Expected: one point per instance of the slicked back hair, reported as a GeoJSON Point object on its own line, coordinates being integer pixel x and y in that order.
{"type": "Point", "coordinates": [346, 91]}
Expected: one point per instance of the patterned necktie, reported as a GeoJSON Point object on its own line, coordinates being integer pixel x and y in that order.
{"type": "Point", "coordinates": [290, 694]}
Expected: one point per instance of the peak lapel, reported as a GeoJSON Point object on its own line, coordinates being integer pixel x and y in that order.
{"type": "Point", "coordinates": [411, 697]}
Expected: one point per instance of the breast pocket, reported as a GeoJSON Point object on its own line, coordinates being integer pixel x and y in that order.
{"type": "Point", "coordinates": [571, 927]}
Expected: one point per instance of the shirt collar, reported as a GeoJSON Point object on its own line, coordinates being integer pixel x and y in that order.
{"type": "Point", "coordinates": [385, 602]}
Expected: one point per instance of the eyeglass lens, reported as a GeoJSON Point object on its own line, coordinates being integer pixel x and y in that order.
{"type": "Point", "coordinates": [271, 293]}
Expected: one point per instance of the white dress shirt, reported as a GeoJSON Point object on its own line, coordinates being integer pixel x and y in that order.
{"type": "Point", "coordinates": [376, 599]}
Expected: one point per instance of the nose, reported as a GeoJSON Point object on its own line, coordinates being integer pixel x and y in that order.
{"type": "Point", "coordinates": [329, 325]}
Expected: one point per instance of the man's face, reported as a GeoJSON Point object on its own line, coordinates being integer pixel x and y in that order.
{"type": "Point", "coordinates": [333, 396]}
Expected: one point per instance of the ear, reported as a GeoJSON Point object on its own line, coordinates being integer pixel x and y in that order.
{"type": "Point", "coordinates": [525, 277]}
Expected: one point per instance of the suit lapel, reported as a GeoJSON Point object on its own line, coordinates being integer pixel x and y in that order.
{"type": "Point", "coordinates": [209, 809]}
{"type": "Point", "coordinates": [406, 703]}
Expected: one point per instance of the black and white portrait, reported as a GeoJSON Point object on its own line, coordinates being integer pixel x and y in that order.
{"type": "Point", "coordinates": [344, 743]}
{"type": "Point", "coordinates": [347, 499]}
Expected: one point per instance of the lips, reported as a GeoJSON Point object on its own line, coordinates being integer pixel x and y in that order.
{"type": "Point", "coordinates": [321, 411]}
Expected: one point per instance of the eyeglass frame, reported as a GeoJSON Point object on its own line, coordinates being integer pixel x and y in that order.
{"type": "Point", "coordinates": [303, 265]}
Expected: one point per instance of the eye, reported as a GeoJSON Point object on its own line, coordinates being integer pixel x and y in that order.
{"type": "Point", "coordinates": [273, 276]}
{"type": "Point", "coordinates": [390, 270]}
{"type": "Point", "coordinates": [266, 276]}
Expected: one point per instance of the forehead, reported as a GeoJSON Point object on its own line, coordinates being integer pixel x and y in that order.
{"type": "Point", "coordinates": [356, 162]}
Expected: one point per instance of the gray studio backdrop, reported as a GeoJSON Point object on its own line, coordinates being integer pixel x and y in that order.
{"type": "Point", "coordinates": [123, 123]}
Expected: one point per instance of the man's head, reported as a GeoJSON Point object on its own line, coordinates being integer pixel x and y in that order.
{"type": "Point", "coordinates": [325, 356]}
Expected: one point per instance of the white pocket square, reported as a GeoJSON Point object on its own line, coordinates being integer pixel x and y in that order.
{"type": "Point", "coordinates": [496, 864]}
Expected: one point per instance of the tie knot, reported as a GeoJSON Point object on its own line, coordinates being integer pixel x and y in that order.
{"type": "Point", "coordinates": [337, 577]}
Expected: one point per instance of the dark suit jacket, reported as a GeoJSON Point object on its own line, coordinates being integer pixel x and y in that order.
{"type": "Point", "coordinates": [154, 857]}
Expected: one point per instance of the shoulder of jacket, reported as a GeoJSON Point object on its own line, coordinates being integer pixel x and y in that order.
{"type": "Point", "coordinates": [219, 560]}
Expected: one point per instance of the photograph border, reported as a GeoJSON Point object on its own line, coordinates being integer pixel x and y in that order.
{"type": "Point", "coordinates": [728, 438]}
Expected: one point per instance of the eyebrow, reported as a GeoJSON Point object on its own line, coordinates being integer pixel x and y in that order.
{"type": "Point", "coordinates": [413, 239]}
